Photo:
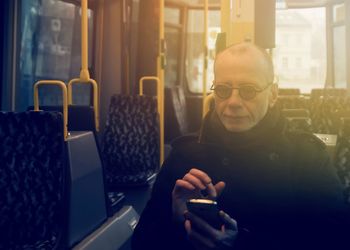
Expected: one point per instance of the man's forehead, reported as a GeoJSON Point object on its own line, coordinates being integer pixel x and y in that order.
{"type": "Point", "coordinates": [245, 54]}
{"type": "Point", "coordinates": [240, 51]}
{"type": "Point", "coordinates": [232, 62]}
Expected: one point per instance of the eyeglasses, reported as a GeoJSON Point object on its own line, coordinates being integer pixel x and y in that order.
{"type": "Point", "coordinates": [245, 92]}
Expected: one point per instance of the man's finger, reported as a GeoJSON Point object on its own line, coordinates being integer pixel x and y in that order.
{"type": "Point", "coordinates": [200, 175]}
{"type": "Point", "coordinates": [206, 180]}
{"type": "Point", "coordinates": [219, 187]}
{"type": "Point", "coordinates": [228, 221]}
{"type": "Point", "coordinates": [181, 184]}
{"type": "Point", "coordinates": [194, 181]}
{"type": "Point", "coordinates": [203, 225]}
{"type": "Point", "coordinates": [197, 238]}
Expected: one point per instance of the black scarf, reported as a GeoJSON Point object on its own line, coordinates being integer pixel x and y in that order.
{"type": "Point", "coordinates": [270, 128]}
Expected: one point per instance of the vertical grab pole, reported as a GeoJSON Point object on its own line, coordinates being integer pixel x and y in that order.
{"type": "Point", "coordinates": [160, 105]}
{"type": "Point", "coordinates": [84, 73]}
{"type": "Point", "coordinates": [205, 45]}
{"type": "Point", "coordinates": [160, 73]}
{"type": "Point", "coordinates": [207, 103]}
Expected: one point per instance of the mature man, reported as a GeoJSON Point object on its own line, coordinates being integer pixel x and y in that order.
{"type": "Point", "coordinates": [277, 190]}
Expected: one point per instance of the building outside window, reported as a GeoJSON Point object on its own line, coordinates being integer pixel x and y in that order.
{"type": "Point", "coordinates": [300, 53]}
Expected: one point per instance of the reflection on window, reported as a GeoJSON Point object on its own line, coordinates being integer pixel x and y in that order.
{"type": "Point", "coordinates": [195, 50]}
{"type": "Point", "coordinates": [300, 54]}
{"type": "Point", "coordinates": [50, 49]}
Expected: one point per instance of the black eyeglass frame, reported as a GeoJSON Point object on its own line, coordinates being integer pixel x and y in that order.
{"type": "Point", "coordinates": [213, 87]}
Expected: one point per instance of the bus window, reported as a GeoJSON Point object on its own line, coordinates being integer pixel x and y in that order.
{"type": "Point", "coordinates": [194, 48]}
{"type": "Point", "coordinates": [172, 30]}
{"type": "Point", "coordinates": [339, 46]}
{"type": "Point", "coordinates": [300, 56]}
{"type": "Point", "coordinates": [49, 49]}
{"type": "Point", "coordinates": [339, 57]}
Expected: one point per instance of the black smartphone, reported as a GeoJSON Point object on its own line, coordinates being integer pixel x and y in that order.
{"type": "Point", "coordinates": [207, 210]}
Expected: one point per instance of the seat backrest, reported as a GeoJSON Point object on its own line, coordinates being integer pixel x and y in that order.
{"type": "Point", "coordinates": [32, 180]}
{"type": "Point", "coordinates": [290, 91]}
{"type": "Point", "coordinates": [298, 124]}
{"type": "Point", "coordinates": [130, 143]}
{"type": "Point", "coordinates": [296, 112]}
{"type": "Point", "coordinates": [317, 93]}
{"type": "Point", "coordinates": [342, 156]}
{"type": "Point", "coordinates": [80, 117]}
{"type": "Point", "coordinates": [326, 113]}
{"type": "Point", "coordinates": [293, 102]}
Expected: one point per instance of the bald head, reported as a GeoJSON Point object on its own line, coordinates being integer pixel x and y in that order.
{"type": "Point", "coordinates": [247, 49]}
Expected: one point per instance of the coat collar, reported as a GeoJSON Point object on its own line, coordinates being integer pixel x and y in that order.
{"type": "Point", "coordinates": [271, 128]}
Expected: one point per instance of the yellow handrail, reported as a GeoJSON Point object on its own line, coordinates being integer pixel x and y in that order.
{"type": "Point", "coordinates": [95, 96]}
{"type": "Point", "coordinates": [84, 72]}
{"type": "Point", "coordinates": [161, 59]}
{"type": "Point", "coordinates": [64, 98]}
{"type": "Point", "coordinates": [160, 102]}
{"type": "Point", "coordinates": [205, 45]}
{"type": "Point", "coordinates": [207, 103]}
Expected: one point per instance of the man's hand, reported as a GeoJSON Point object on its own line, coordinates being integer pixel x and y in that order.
{"type": "Point", "coordinates": [190, 187]}
{"type": "Point", "coordinates": [204, 236]}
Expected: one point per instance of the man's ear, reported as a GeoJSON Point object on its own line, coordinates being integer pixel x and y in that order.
{"type": "Point", "coordinates": [273, 95]}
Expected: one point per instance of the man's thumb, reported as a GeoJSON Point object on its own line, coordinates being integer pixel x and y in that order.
{"type": "Point", "coordinates": [219, 187]}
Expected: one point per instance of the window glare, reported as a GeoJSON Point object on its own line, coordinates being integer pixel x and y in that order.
{"type": "Point", "coordinates": [300, 54]}
{"type": "Point", "coordinates": [195, 51]}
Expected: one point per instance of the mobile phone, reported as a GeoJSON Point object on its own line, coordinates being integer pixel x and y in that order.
{"type": "Point", "coordinates": [206, 210]}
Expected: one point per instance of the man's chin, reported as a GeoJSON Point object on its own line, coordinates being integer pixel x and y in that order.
{"type": "Point", "coordinates": [237, 128]}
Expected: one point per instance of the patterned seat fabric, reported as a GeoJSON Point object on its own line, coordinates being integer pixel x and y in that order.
{"type": "Point", "coordinates": [342, 156]}
{"type": "Point", "coordinates": [130, 144]}
{"type": "Point", "coordinates": [298, 124]}
{"type": "Point", "coordinates": [288, 91]}
{"type": "Point", "coordinates": [32, 180]}
{"type": "Point", "coordinates": [327, 112]}
{"type": "Point", "coordinates": [293, 102]}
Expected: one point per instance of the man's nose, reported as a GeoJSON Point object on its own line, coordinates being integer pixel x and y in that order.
{"type": "Point", "coordinates": [235, 99]}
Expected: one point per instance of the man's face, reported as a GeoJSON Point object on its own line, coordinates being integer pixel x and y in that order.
{"type": "Point", "coordinates": [248, 69]}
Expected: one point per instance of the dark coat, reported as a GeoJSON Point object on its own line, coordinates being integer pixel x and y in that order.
{"type": "Point", "coordinates": [280, 187]}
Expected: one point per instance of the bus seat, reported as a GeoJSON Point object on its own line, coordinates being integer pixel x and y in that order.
{"type": "Point", "coordinates": [176, 122]}
{"type": "Point", "coordinates": [296, 112]}
{"type": "Point", "coordinates": [299, 124]}
{"type": "Point", "coordinates": [297, 119]}
{"type": "Point", "coordinates": [288, 91]}
{"type": "Point", "coordinates": [80, 117]}
{"type": "Point", "coordinates": [130, 143]}
{"type": "Point", "coordinates": [326, 113]}
{"type": "Point", "coordinates": [317, 93]}
{"type": "Point", "coordinates": [293, 102]}
{"type": "Point", "coordinates": [342, 156]}
{"type": "Point", "coordinates": [32, 180]}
